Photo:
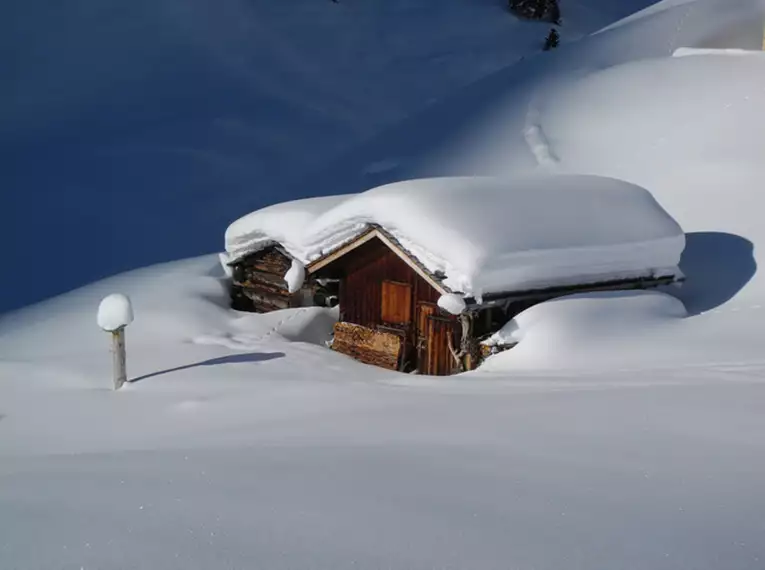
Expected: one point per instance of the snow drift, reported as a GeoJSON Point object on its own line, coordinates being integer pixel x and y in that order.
{"type": "Point", "coordinates": [591, 331]}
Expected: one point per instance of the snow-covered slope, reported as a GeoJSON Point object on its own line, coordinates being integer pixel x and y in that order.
{"type": "Point", "coordinates": [175, 116]}
{"type": "Point", "coordinates": [625, 431]}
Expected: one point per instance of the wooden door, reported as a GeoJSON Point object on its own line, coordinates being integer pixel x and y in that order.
{"type": "Point", "coordinates": [424, 310]}
{"type": "Point", "coordinates": [439, 360]}
{"type": "Point", "coordinates": [396, 306]}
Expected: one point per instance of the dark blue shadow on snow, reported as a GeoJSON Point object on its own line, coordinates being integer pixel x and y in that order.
{"type": "Point", "coordinates": [717, 265]}
{"type": "Point", "coordinates": [232, 359]}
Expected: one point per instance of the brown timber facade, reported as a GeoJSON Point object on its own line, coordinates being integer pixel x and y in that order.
{"type": "Point", "coordinates": [382, 292]}
{"type": "Point", "coordinates": [388, 303]}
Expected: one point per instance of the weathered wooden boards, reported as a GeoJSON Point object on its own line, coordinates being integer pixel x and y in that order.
{"type": "Point", "coordinates": [118, 358]}
{"type": "Point", "coordinates": [258, 283]}
{"type": "Point", "coordinates": [369, 346]}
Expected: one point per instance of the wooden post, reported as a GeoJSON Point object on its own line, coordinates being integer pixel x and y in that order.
{"type": "Point", "coordinates": [118, 357]}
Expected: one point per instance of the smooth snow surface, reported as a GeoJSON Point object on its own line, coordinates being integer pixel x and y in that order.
{"type": "Point", "coordinates": [490, 235]}
{"type": "Point", "coordinates": [114, 312]}
{"type": "Point", "coordinates": [625, 431]}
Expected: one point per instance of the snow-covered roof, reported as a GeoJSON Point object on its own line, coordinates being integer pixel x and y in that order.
{"type": "Point", "coordinates": [495, 235]}
{"type": "Point", "coordinates": [281, 223]}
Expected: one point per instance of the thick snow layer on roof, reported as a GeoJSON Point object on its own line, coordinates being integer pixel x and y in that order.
{"type": "Point", "coordinates": [281, 223]}
{"type": "Point", "coordinates": [491, 235]}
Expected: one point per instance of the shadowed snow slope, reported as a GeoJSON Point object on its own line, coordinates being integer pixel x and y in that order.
{"type": "Point", "coordinates": [132, 132]}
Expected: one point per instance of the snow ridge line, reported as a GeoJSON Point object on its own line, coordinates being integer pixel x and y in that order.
{"type": "Point", "coordinates": [536, 139]}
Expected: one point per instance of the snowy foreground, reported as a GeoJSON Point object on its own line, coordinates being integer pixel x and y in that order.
{"type": "Point", "coordinates": [237, 448]}
{"type": "Point", "coordinates": [625, 431]}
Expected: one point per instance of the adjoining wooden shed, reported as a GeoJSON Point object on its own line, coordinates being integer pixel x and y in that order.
{"type": "Point", "coordinates": [390, 314]}
{"type": "Point", "coordinates": [258, 283]}
{"type": "Point", "coordinates": [263, 246]}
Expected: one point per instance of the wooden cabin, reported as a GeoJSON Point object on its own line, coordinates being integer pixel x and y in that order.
{"type": "Point", "coordinates": [258, 283]}
{"type": "Point", "coordinates": [389, 313]}
{"type": "Point", "coordinates": [512, 239]}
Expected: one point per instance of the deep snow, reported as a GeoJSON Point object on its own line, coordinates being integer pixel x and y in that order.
{"type": "Point", "coordinates": [620, 433]}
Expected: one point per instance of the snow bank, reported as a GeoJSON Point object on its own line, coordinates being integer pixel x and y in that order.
{"type": "Point", "coordinates": [185, 318]}
{"type": "Point", "coordinates": [115, 312]}
{"type": "Point", "coordinates": [592, 330]}
{"type": "Point", "coordinates": [490, 235]}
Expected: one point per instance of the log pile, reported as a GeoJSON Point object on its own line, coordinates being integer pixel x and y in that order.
{"type": "Point", "coordinates": [366, 345]}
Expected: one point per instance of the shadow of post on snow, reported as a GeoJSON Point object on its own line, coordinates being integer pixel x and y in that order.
{"type": "Point", "coordinates": [231, 359]}
{"type": "Point", "coordinates": [717, 265]}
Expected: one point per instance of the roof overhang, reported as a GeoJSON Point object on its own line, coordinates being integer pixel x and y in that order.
{"type": "Point", "coordinates": [635, 283]}
{"type": "Point", "coordinates": [233, 260]}
{"type": "Point", "coordinates": [376, 232]}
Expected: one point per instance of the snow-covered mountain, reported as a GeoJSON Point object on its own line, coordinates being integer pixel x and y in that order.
{"type": "Point", "coordinates": [624, 430]}
{"type": "Point", "coordinates": [133, 132]}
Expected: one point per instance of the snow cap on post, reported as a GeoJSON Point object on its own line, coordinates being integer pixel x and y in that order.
{"type": "Point", "coordinates": [295, 276]}
{"type": "Point", "coordinates": [115, 312]}
{"type": "Point", "coordinates": [452, 303]}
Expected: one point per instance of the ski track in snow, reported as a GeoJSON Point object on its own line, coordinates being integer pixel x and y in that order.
{"type": "Point", "coordinates": [536, 139]}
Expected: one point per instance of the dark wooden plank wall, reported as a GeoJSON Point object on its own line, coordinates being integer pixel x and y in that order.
{"type": "Point", "coordinates": [361, 289]}
{"type": "Point", "coordinates": [363, 272]}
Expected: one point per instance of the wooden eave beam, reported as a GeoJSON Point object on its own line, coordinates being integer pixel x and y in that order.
{"type": "Point", "coordinates": [613, 285]}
